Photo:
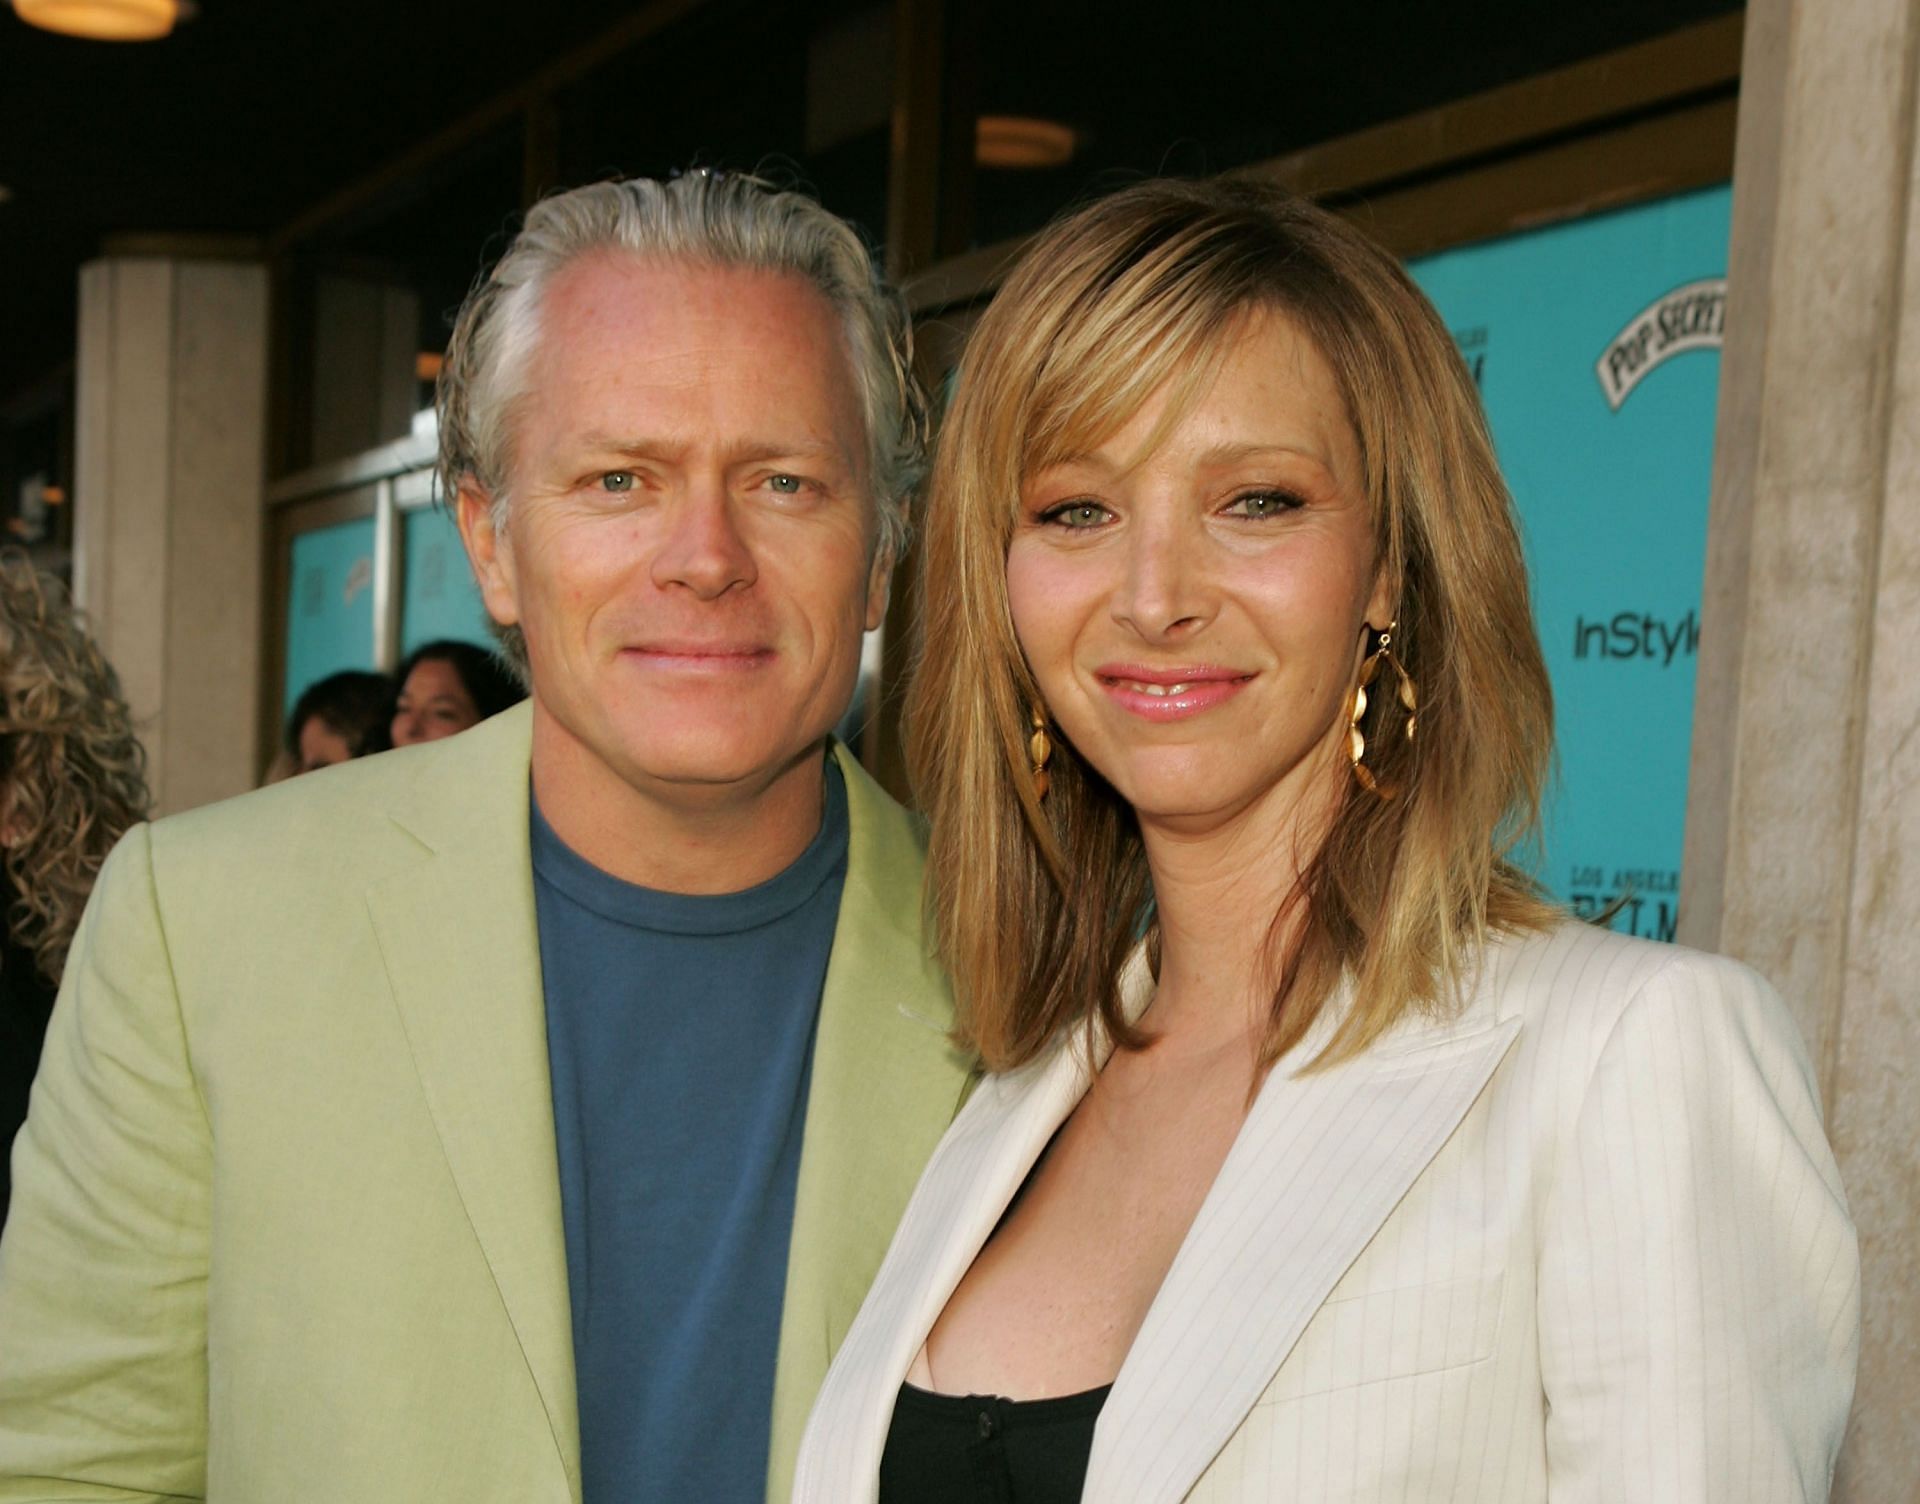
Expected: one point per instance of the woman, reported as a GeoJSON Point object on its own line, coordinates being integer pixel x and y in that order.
{"type": "Point", "coordinates": [447, 686]}
{"type": "Point", "coordinates": [1320, 1158]}
{"type": "Point", "coordinates": [72, 779]}
{"type": "Point", "coordinates": [335, 720]}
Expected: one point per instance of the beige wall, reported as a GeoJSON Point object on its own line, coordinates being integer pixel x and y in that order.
{"type": "Point", "coordinates": [1803, 828]}
{"type": "Point", "coordinates": [167, 493]}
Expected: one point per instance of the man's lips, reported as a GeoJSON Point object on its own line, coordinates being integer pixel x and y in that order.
{"type": "Point", "coordinates": [700, 657]}
{"type": "Point", "coordinates": [1170, 692]}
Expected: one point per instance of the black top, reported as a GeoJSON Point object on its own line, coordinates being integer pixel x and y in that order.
{"type": "Point", "coordinates": [979, 1449]}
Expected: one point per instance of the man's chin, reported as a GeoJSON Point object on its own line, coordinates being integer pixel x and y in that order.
{"type": "Point", "coordinates": [692, 758]}
{"type": "Point", "coordinates": [719, 763]}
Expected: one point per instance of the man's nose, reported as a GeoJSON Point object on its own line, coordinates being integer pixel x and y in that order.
{"type": "Point", "coordinates": [704, 550]}
{"type": "Point", "coordinates": [1164, 591]}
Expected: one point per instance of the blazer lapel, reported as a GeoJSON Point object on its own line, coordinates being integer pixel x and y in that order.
{"type": "Point", "coordinates": [886, 1083]}
{"type": "Point", "coordinates": [460, 942]}
{"type": "Point", "coordinates": [1320, 1163]}
{"type": "Point", "coordinates": [968, 1184]}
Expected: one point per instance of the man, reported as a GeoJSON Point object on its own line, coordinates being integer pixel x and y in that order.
{"type": "Point", "coordinates": [522, 1116]}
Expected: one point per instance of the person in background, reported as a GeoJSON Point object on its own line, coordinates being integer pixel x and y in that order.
{"type": "Point", "coordinates": [72, 780]}
{"type": "Point", "coordinates": [1322, 1157]}
{"type": "Point", "coordinates": [446, 687]}
{"type": "Point", "coordinates": [337, 719]}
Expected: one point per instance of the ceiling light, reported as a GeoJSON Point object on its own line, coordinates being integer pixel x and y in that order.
{"type": "Point", "coordinates": [1016, 141]}
{"type": "Point", "coordinates": [102, 20]}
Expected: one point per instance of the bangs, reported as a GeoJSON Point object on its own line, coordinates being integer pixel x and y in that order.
{"type": "Point", "coordinates": [1115, 334]}
{"type": "Point", "coordinates": [1085, 397]}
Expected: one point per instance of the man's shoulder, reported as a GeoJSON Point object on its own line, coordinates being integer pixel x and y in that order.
{"type": "Point", "coordinates": [353, 812]}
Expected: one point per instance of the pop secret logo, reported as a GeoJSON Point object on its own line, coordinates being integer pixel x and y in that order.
{"type": "Point", "coordinates": [1692, 317]}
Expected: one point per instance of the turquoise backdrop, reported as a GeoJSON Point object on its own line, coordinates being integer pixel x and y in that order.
{"type": "Point", "coordinates": [1558, 326]}
{"type": "Point", "coordinates": [438, 597]}
{"type": "Point", "coordinates": [329, 605]}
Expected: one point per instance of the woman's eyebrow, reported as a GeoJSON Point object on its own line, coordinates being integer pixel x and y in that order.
{"type": "Point", "coordinates": [1215, 457]}
{"type": "Point", "coordinates": [1232, 454]}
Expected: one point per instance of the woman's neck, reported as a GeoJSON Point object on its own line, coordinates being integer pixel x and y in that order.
{"type": "Point", "coordinates": [1228, 901]}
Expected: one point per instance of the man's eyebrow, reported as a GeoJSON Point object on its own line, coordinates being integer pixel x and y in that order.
{"type": "Point", "coordinates": [746, 454]}
{"type": "Point", "coordinates": [628, 446]}
{"type": "Point", "coordinates": [621, 444]}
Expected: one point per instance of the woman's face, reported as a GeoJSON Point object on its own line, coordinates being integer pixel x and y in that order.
{"type": "Point", "coordinates": [321, 746]}
{"type": "Point", "coordinates": [1194, 615]}
{"type": "Point", "coordinates": [433, 703]}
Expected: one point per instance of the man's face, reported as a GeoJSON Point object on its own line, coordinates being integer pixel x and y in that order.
{"type": "Point", "coordinates": [689, 543]}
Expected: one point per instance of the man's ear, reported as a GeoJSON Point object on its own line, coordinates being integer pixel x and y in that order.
{"type": "Point", "coordinates": [879, 585]}
{"type": "Point", "coordinates": [880, 577]}
{"type": "Point", "coordinates": [489, 551]}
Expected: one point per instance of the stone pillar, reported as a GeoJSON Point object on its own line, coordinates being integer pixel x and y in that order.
{"type": "Point", "coordinates": [1803, 825]}
{"type": "Point", "coordinates": [170, 441]}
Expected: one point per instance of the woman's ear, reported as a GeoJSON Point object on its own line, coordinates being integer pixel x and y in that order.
{"type": "Point", "coordinates": [1382, 603]}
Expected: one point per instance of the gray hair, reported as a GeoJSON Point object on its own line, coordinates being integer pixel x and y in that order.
{"type": "Point", "coordinates": [704, 216]}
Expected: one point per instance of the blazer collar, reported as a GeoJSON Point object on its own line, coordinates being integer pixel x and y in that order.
{"type": "Point", "coordinates": [460, 939]}
{"type": "Point", "coordinates": [886, 1083]}
{"type": "Point", "coordinates": [1320, 1163]}
{"type": "Point", "coordinates": [461, 945]}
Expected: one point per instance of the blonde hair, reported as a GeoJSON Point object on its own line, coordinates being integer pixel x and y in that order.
{"type": "Point", "coordinates": [1037, 904]}
{"type": "Point", "coordinates": [72, 774]}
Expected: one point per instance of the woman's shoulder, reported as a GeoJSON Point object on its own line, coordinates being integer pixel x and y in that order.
{"type": "Point", "coordinates": [1579, 985]}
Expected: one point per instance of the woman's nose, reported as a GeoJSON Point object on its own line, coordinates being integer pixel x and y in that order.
{"type": "Point", "coordinates": [1163, 592]}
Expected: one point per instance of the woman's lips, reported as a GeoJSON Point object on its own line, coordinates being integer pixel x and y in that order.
{"type": "Point", "coordinates": [1169, 694]}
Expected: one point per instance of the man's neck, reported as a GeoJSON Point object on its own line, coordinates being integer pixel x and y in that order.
{"type": "Point", "coordinates": [675, 838]}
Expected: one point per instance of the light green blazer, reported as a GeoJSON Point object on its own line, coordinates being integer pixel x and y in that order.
{"type": "Point", "coordinates": [286, 1217]}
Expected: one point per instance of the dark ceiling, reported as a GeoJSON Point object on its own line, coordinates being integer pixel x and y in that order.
{"type": "Point", "coordinates": [257, 110]}
{"type": "Point", "coordinates": [240, 120]}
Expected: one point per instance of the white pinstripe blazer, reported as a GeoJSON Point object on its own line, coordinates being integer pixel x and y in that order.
{"type": "Point", "coordinates": [1582, 1241]}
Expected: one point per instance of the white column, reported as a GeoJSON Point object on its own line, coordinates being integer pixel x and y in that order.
{"type": "Point", "coordinates": [169, 451]}
{"type": "Point", "coordinates": [1803, 828]}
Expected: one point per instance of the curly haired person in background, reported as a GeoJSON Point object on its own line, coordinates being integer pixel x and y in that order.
{"type": "Point", "coordinates": [72, 779]}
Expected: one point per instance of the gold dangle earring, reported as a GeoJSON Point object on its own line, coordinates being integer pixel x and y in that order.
{"type": "Point", "coordinates": [1040, 748]}
{"type": "Point", "coordinates": [1381, 649]}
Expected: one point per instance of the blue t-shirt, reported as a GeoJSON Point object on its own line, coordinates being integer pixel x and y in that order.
{"type": "Point", "coordinates": [680, 1035]}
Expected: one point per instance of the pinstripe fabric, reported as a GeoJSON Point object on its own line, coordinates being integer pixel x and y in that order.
{"type": "Point", "coordinates": [1582, 1241]}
